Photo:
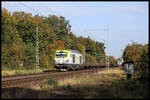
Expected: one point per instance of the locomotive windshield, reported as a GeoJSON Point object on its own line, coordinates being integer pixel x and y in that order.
{"type": "Point", "coordinates": [61, 54]}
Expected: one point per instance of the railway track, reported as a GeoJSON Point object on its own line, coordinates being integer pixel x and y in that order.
{"type": "Point", "coordinates": [20, 76]}
{"type": "Point", "coordinates": [29, 79]}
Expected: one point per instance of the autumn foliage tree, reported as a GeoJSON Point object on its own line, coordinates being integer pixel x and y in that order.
{"type": "Point", "coordinates": [139, 54]}
{"type": "Point", "coordinates": [113, 61]}
{"type": "Point", "coordinates": [18, 40]}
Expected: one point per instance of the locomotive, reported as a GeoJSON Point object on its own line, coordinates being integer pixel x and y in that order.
{"type": "Point", "coordinates": [66, 60]}
{"type": "Point", "coordinates": [72, 60]}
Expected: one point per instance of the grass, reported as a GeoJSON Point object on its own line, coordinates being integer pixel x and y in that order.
{"type": "Point", "coordinates": [112, 84]}
{"type": "Point", "coordinates": [7, 72]}
{"type": "Point", "coordinates": [49, 83]}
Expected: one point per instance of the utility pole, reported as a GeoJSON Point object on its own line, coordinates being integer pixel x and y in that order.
{"type": "Point", "coordinates": [107, 56]}
{"type": "Point", "coordinates": [84, 54]}
{"type": "Point", "coordinates": [107, 48]}
{"type": "Point", "coordinates": [95, 58]}
{"type": "Point", "coordinates": [37, 51]}
{"type": "Point", "coordinates": [101, 58]}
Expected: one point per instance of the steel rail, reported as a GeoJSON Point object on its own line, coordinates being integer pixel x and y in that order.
{"type": "Point", "coordinates": [18, 81]}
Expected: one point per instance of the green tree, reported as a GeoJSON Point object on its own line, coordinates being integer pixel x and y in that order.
{"type": "Point", "coordinates": [132, 52]}
{"type": "Point", "coordinates": [142, 65]}
{"type": "Point", "coordinates": [19, 40]}
{"type": "Point", "coordinates": [113, 61]}
{"type": "Point", "coordinates": [11, 42]}
{"type": "Point", "coordinates": [139, 54]}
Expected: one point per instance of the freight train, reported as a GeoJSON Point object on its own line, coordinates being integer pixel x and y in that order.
{"type": "Point", "coordinates": [67, 60]}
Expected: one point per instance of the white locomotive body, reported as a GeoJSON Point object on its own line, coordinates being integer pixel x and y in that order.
{"type": "Point", "coordinates": [68, 59]}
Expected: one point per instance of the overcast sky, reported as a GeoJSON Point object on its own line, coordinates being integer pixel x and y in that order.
{"type": "Point", "coordinates": [128, 21]}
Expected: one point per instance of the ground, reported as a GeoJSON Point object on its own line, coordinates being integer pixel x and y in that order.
{"type": "Point", "coordinates": [104, 84]}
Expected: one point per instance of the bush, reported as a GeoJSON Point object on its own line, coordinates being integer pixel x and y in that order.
{"type": "Point", "coordinates": [142, 65]}
{"type": "Point", "coordinates": [69, 86]}
{"type": "Point", "coordinates": [4, 74]}
{"type": "Point", "coordinates": [18, 73]}
{"type": "Point", "coordinates": [139, 54]}
{"type": "Point", "coordinates": [51, 81]}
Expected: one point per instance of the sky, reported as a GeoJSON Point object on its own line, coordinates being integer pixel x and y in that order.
{"type": "Point", "coordinates": [127, 21]}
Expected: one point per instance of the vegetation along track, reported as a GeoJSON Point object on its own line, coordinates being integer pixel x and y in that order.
{"type": "Point", "coordinates": [24, 80]}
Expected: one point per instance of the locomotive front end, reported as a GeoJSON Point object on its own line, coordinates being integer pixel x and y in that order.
{"type": "Point", "coordinates": [62, 59]}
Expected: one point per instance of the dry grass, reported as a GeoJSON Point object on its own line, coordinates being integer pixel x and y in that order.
{"type": "Point", "coordinates": [103, 77]}
{"type": "Point", "coordinates": [8, 72]}
{"type": "Point", "coordinates": [19, 72]}
{"type": "Point", "coordinates": [112, 84]}
{"type": "Point", "coordinates": [112, 71]}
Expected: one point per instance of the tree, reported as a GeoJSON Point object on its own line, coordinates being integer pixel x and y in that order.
{"type": "Point", "coordinates": [142, 65]}
{"type": "Point", "coordinates": [11, 42]}
{"type": "Point", "coordinates": [113, 61]}
{"type": "Point", "coordinates": [132, 52]}
{"type": "Point", "coordinates": [139, 54]}
{"type": "Point", "coordinates": [19, 40]}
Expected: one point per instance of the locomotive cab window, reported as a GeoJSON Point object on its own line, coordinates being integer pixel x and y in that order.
{"type": "Point", "coordinates": [59, 54]}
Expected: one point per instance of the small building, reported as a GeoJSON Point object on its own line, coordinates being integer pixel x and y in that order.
{"type": "Point", "coordinates": [128, 67]}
